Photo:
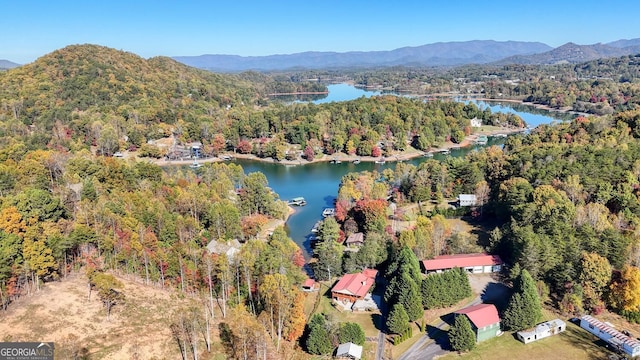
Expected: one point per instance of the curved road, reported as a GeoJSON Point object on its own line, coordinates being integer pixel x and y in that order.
{"type": "Point", "coordinates": [427, 347]}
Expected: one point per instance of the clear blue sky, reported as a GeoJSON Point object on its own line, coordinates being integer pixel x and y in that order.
{"type": "Point", "coordinates": [149, 28]}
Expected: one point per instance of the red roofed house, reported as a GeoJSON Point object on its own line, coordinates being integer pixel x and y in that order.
{"type": "Point", "coordinates": [484, 320]}
{"type": "Point", "coordinates": [310, 285]}
{"type": "Point", "coordinates": [473, 263]}
{"type": "Point", "coordinates": [353, 287]}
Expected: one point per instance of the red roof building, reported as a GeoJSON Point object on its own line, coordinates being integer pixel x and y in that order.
{"type": "Point", "coordinates": [484, 320]}
{"type": "Point", "coordinates": [310, 285]}
{"type": "Point", "coordinates": [352, 287]}
{"type": "Point", "coordinates": [473, 263]}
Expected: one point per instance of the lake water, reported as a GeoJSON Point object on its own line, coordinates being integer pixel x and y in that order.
{"type": "Point", "coordinates": [344, 92]}
{"type": "Point", "coordinates": [318, 183]}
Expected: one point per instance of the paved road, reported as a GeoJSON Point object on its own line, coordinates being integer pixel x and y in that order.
{"type": "Point", "coordinates": [380, 349]}
{"type": "Point", "coordinates": [431, 344]}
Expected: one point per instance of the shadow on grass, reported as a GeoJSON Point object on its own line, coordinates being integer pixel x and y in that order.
{"type": "Point", "coordinates": [378, 322]}
{"type": "Point", "coordinates": [496, 294]}
{"type": "Point", "coordinates": [439, 336]}
{"type": "Point", "coordinates": [585, 341]}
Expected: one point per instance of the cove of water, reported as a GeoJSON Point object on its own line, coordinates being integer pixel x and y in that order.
{"type": "Point", "coordinates": [318, 182]}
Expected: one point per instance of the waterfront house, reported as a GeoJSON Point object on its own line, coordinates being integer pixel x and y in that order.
{"type": "Point", "coordinates": [542, 330]}
{"type": "Point", "coordinates": [353, 287]}
{"type": "Point", "coordinates": [484, 320]}
{"type": "Point", "coordinates": [613, 337]}
{"type": "Point", "coordinates": [355, 240]}
{"type": "Point", "coordinates": [467, 200]}
{"type": "Point", "coordinates": [473, 263]}
{"type": "Point", "coordinates": [349, 351]}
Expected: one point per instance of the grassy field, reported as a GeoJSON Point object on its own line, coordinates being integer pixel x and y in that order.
{"type": "Point", "coordinates": [61, 312]}
{"type": "Point", "coordinates": [573, 344]}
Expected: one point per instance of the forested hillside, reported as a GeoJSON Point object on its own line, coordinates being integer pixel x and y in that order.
{"type": "Point", "coordinates": [563, 203]}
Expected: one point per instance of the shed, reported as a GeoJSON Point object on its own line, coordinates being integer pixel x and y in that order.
{"type": "Point", "coordinates": [542, 330]}
{"type": "Point", "coordinates": [349, 351]}
{"type": "Point", "coordinates": [484, 320]}
{"type": "Point", "coordinates": [310, 285]}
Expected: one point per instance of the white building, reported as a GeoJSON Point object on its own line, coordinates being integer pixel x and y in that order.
{"type": "Point", "coordinates": [611, 336]}
{"type": "Point", "coordinates": [467, 200]}
{"type": "Point", "coordinates": [541, 331]}
{"type": "Point", "coordinates": [475, 122]}
{"type": "Point", "coordinates": [349, 351]}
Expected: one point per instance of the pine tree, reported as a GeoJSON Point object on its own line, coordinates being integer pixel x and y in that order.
{"type": "Point", "coordinates": [398, 320]}
{"type": "Point", "coordinates": [351, 332]}
{"type": "Point", "coordinates": [410, 300]}
{"type": "Point", "coordinates": [461, 335]}
{"type": "Point", "coordinates": [318, 342]}
{"type": "Point", "coordinates": [524, 309]}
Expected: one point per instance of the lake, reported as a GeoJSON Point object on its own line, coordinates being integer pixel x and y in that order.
{"type": "Point", "coordinates": [318, 182]}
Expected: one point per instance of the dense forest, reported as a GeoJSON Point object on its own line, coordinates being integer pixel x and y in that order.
{"type": "Point", "coordinates": [562, 202]}
{"type": "Point", "coordinates": [84, 96]}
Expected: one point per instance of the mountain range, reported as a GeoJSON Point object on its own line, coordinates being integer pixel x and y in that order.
{"type": "Point", "coordinates": [6, 64]}
{"type": "Point", "coordinates": [437, 54]}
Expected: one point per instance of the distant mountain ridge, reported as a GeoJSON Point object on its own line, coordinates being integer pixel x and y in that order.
{"type": "Point", "coordinates": [574, 53]}
{"type": "Point", "coordinates": [6, 64]}
{"type": "Point", "coordinates": [437, 54]}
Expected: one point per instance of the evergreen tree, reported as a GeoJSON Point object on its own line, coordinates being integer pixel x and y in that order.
{"type": "Point", "coordinates": [351, 332]}
{"type": "Point", "coordinates": [410, 300]}
{"type": "Point", "coordinates": [524, 309]}
{"type": "Point", "coordinates": [398, 320]}
{"type": "Point", "coordinates": [318, 342]}
{"type": "Point", "coordinates": [461, 335]}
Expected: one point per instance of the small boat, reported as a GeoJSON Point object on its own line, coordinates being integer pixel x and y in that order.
{"type": "Point", "coordinates": [336, 161]}
{"type": "Point", "coordinates": [500, 135]}
{"type": "Point", "coordinates": [195, 165]}
{"type": "Point", "coordinates": [298, 201]}
{"type": "Point", "coordinates": [225, 157]}
{"type": "Point", "coordinates": [482, 140]}
{"type": "Point", "coordinates": [328, 212]}
{"type": "Point", "coordinates": [356, 161]}
{"type": "Point", "coordinates": [427, 155]}
{"type": "Point", "coordinates": [316, 227]}
{"type": "Point", "coordinates": [380, 161]}
{"type": "Point", "coordinates": [445, 151]}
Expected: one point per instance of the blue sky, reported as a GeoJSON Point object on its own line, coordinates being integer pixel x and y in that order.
{"type": "Point", "coordinates": [149, 28]}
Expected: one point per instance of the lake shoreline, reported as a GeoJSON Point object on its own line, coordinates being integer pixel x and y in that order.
{"type": "Point", "coordinates": [343, 157]}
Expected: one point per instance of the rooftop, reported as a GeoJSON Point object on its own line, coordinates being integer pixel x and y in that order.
{"type": "Point", "coordinates": [461, 261]}
{"type": "Point", "coordinates": [356, 284]}
{"type": "Point", "coordinates": [481, 315]}
{"type": "Point", "coordinates": [542, 328]}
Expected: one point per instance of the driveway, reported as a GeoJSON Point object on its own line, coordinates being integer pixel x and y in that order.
{"type": "Point", "coordinates": [436, 342]}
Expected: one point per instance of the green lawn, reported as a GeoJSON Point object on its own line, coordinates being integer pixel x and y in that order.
{"type": "Point", "coordinates": [575, 343]}
{"type": "Point", "coordinates": [365, 319]}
